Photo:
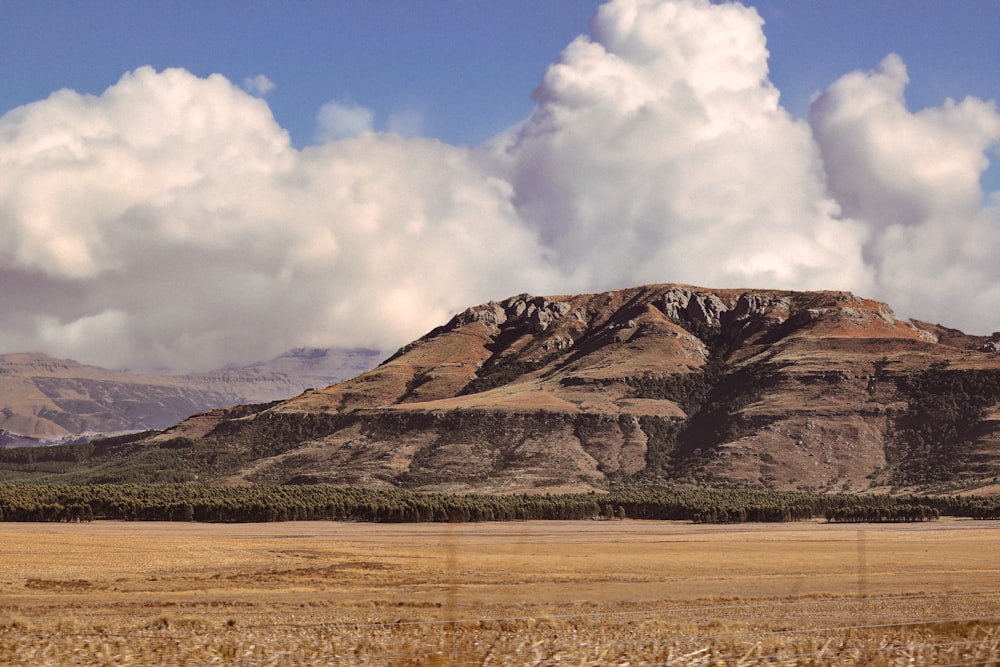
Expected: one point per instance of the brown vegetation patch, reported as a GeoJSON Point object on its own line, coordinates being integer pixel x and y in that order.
{"type": "Point", "coordinates": [58, 584]}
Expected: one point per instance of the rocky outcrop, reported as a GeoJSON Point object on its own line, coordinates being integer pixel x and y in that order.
{"type": "Point", "coordinates": [537, 312]}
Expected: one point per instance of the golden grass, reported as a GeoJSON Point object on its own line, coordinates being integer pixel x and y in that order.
{"type": "Point", "coordinates": [546, 593]}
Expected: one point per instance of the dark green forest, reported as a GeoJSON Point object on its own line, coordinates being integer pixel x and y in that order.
{"type": "Point", "coordinates": [191, 502]}
{"type": "Point", "coordinates": [934, 437]}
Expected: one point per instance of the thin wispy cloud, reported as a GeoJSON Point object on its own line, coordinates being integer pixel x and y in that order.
{"type": "Point", "coordinates": [170, 222]}
{"type": "Point", "coordinates": [258, 85]}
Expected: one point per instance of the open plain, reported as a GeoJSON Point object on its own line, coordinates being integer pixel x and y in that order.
{"type": "Point", "coordinates": [579, 592]}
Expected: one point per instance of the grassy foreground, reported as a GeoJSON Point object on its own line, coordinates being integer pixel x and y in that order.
{"type": "Point", "coordinates": [546, 593]}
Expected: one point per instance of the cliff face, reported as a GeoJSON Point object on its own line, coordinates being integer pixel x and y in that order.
{"type": "Point", "coordinates": [819, 390]}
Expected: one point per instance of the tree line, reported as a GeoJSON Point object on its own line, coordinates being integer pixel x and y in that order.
{"type": "Point", "coordinates": [899, 513]}
{"type": "Point", "coordinates": [188, 502]}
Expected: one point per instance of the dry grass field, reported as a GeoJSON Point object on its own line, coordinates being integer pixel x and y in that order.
{"type": "Point", "coordinates": [532, 593]}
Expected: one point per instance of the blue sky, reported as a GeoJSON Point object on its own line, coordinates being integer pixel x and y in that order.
{"type": "Point", "coordinates": [467, 67]}
{"type": "Point", "coordinates": [397, 161]}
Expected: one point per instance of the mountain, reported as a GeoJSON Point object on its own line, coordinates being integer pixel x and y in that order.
{"type": "Point", "coordinates": [44, 399]}
{"type": "Point", "coordinates": [823, 391]}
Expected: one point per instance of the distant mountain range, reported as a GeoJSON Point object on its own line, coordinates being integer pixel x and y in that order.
{"type": "Point", "coordinates": [822, 391]}
{"type": "Point", "coordinates": [44, 399]}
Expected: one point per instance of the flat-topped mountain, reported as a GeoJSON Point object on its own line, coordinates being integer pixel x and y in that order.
{"type": "Point", "coordinates": [812, 390]}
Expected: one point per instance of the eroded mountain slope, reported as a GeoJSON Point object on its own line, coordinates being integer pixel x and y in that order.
{"type": "Point", "coordinates": [819, 390]}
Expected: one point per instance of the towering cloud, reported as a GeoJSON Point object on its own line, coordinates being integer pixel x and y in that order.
{"type": "Point", "coordinates": [169, 222]}
{"type": "Point", "coordinates": [658, 150]}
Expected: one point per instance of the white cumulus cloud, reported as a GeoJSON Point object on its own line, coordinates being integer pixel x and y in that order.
{"type": "Point", "coordinates": [171, 216]}
{"type": "Point", "coordinates": [913, 179]}
{"type": "Point", "coordinates": [169, 221]}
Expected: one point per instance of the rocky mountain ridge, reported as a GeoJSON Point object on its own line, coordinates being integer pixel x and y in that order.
{"type": "Point", "coordinates": [662, 383]}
